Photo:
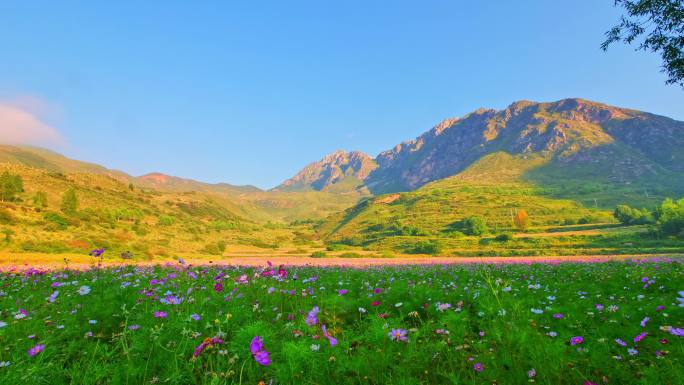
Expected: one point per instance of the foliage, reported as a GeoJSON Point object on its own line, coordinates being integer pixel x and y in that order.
{"type": "Point", "coordinates": [69, 201]}
{"type": "Point", "coordinates": [475, 225]}
{"type": "Point", "coordinates": [670, 217]}
{"type": "Point", "coordinates": [10, 186]}
{"type": "Point", "coordinates": [631, 216]}
{"type": "Point", "coordinates": [60, 222]}
{"type": "Point", "coordinates": [40, 200]}
{"type": "Point", "coordinates": [521, 220]}
{"type": "Point", "coordinates": [142, 325]}
{"type": "Point", "coordinates": [432, 247]}
{"type": "Point", "coordinates": [663, 23]}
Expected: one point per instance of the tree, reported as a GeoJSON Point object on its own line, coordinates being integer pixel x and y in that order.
{"type": "Point", "coordinates": [670, 217]}
{"type": "Point", "coordinates": [69, 201]}
{"type": "Point", "coordinates": [40, 200]}
{"type": "Point", "coordinates": [631, 216]}
{"type": "Point", "coordinates": [662, 21]}
{"type": "Point", "coordinates": [475, 226]}
{"type": "Point", "coordinates": [10, 186]}
{"type": "Point", "coordinates": [521, 220]}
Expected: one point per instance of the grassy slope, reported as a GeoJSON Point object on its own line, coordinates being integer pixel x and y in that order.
{"type": "Point", "coordinates": [495, 187]}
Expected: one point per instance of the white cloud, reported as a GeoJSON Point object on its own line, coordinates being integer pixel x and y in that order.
{"type": "Point", "coordinates": [22, 124]}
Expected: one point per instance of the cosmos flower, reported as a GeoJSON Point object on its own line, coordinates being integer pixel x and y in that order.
{"type": "Point", "coordinates": [342, 291]}
{"type": "Point", "coordinates": [531, 373]}
{"type": "Point", "coordinates": [97, 252]}
{"type": "Point", "coordinates": [620, 342]}
{"type": "Point", "coordinates": [478, 367]}
{"type": "Point", "coordinates": [160, 314]}
{"type": "Point", "coordinates": [53, 297]}
{"type": "Point", "coordinates": [640, 337]}
{"type": "Point", "coordinates": [331, 339]}
{"type": "Point", "coordinates": [632, 351]}
{"type": "Point", "coordinates": [261, 356]}
{"type": "Point", "coordinates": [37, 349]}
{"type": "Point", "coordinates": [134, 327]}
{"type": "Point", "coordinates": [195, 317]}
{"type": "Point", "coordinates": [680, 299]}
{"type": "Point", "coordinates": [3, 324]}
{"type": "Point", "coordinates": [84, 290]}
{"type": "Point", "coordinates": [644, 321]}
{"type": "Point", "coordinates": [398, 335]}
{"type": "Point", "coordinates": [208, 342]}
{"type": "Point", "coordinates": [558, 316]}
{"type": "Point", "coordinates": [311, 318]}
{"type": "Point", "coordinates": [576, 340]}
{"type": "Point", "coordinates": [677, 332]}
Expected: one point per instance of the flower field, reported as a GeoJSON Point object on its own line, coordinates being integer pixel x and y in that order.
{"type": "Point", "coordinates": [552, 323]}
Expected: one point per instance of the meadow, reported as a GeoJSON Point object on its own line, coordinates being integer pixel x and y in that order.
{"type": "Point", "coordinates": [552, 323]}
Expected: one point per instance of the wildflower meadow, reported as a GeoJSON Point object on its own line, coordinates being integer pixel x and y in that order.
{"type": "Point", "coordinates": [565, 323]}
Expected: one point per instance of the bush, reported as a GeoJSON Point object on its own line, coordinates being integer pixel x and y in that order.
{"type": "Point", "coordinates": [670, 217]}
{"type": "Point", "coordinates": [505, 237]}
{"type": "Point", "coordinates": [69, 202]}
{"type": "Point", "coordinates": [319, 254]}
{"type": "Point", "coordinates": [211, 248]}
{"type": "Point", "coordinates": [631, 216]}
{"type": "Point", "coordinates": [57, 220]}
{"type": "Point", "coordinates": [10, 186]}
{"type": "Point", "coordinates": [166, 220]}
{"type": "Point", "coordinates": [475, 226]}
{"type": "Point", "coordinates": [425, 247]}
{"type": "Point", "coordinates": [350, 255]}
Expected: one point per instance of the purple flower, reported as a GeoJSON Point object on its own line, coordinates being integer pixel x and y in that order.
{"type": "Point", "coordinates": [558, 316]}
{"type": "Point", "coordinates": [620, 342]}
{"type": "Point", "coordinates": [644, 321]}
{"type": "Point", "coordinates": [311, 319]}
{"type": "Point", "coordinates": [196, 317]}
{"type": "Point", "coordinates": [36, 350]}
{"type": "Point", "coordinates": [218, 287]}
{"type": "Point", "coordinates": [331, 339]}
{"type": "Point", "coordinates": [599, 307]}
{"type": "Point", "coordinates": [576, 340]}
{"type": "Point", "coordinates": [478, 367]}
{"type": "Point", "coordinates": [677, 332]}
{"type": "Point", "coordinates": [342, 291]}
{"type": "Point", "coordinates": [134, 327]}
{"type": "Point", "coordinates": [256, 347]}
{"type": "Point", "coordinates": [160, 314]}
{"type": "Point", "coordinates": [640, 337]}
{"type": "Point", "coordinates": [97, 252]}
{"type": "Point", "coordinates": [398, 335]}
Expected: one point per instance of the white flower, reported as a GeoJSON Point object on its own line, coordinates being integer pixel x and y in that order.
{"type": "Point", "coordinates": [315, 347]}
{"type": "Point", "coordinates": [92, 322]}
{"type": "Point", "coordinates": [506, 289]}
{"type": "Point", "coordinates": [362, 310]}
{"type": "Point", "coordinates": [398, 304]}
{"type": "Point", "coordinates": [83, 290]}
{"type": "Point", "coordinates": [3, 324]}
{"type": "Point", "coordinates": [536, 311]}
{"type": "Point", "coordinates": [4, 364]}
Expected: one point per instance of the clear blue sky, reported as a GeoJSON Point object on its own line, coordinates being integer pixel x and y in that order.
{"type": "Point", "coordinates": [251, 91]}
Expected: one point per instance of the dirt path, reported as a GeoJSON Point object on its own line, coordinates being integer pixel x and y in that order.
{"type": "Point", "coordinates": [7, 264]}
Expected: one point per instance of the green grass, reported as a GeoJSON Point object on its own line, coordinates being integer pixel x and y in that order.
{"type": "Point", "coordinates": [88, 338]}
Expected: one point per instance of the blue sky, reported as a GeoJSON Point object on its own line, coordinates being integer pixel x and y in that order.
{"type": "Point", "coordinates": [249, 92]}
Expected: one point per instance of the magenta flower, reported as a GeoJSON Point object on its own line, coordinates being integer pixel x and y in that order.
{"type": "Point", "coordinates": [398, 335]}
{"type": "Point", "coordinates": [36, 350]}
{"type": "Point", "coordinates": [331, 339]}
{"type": "Point", "coordinates": [160, 314]}
{"type": "Point", "coordinates": [478, 367]}
{"type": "Point", "coordinates": [640, 337]}
{"type": "Point", "coordinates": [558, 316]}
{"type": "Point", "coordinates": [256, 347]}
{"type": "Point", "coordinates": [205, 344]}
{"type": "Point", "coordinates": [342, 291]}
{"type": "Point", "coordinates": [218, 287]}
{"type": "Point", "coordinates": [576, 340]}
{"type": "Point", "coordinates": [677, 332]}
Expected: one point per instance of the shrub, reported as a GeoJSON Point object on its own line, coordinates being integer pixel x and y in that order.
{"type": "Point", "coordinates": [319, 254]}
{"type": "Point", "coordinates": [166, 220]}
{"type": "Point", "coordinates": [10, 186]}
{"type": "Point", "coordinates": [57, 220]}
{"type": "Point", "coordinates": [631, 216]}
{"type": "Point", "coordinates": [425, 247]}
{"type": "Point", "coordinates": [69, 202]}
{"type": "Point", "coordinates": [505, 237]}
{"type": "Point", "coordinates": [670, 217]}
{"type": "Point", "coordinates": [475, 226]}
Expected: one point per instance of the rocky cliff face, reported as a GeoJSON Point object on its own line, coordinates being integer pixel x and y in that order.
{"type": "Point", "coordinates": [569, 131]}
{"type": "Point", "coordinates": [339, 167]}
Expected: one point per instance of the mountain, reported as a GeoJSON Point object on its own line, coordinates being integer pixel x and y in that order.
{"type": "Point", "coordinates": [53, 162]}
{"type": "Point", "coordinates": [564, 162]}
{"type": "Point", "coordinates": [161, 181]}
{"type": "Point", "coordinates": [338, 171]}
{"type": "Point", "coordinates": [576, 136]}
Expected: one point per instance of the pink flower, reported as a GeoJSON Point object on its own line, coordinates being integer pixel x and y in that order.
{"type": "Point", "coordinates": [576, 340]}
{"type": "Point", "coordinates": [160, 314]}
{"type": "Point", "coordinates": [478, 367]}
{"type": "Point", "coordinates": [261, 356]}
